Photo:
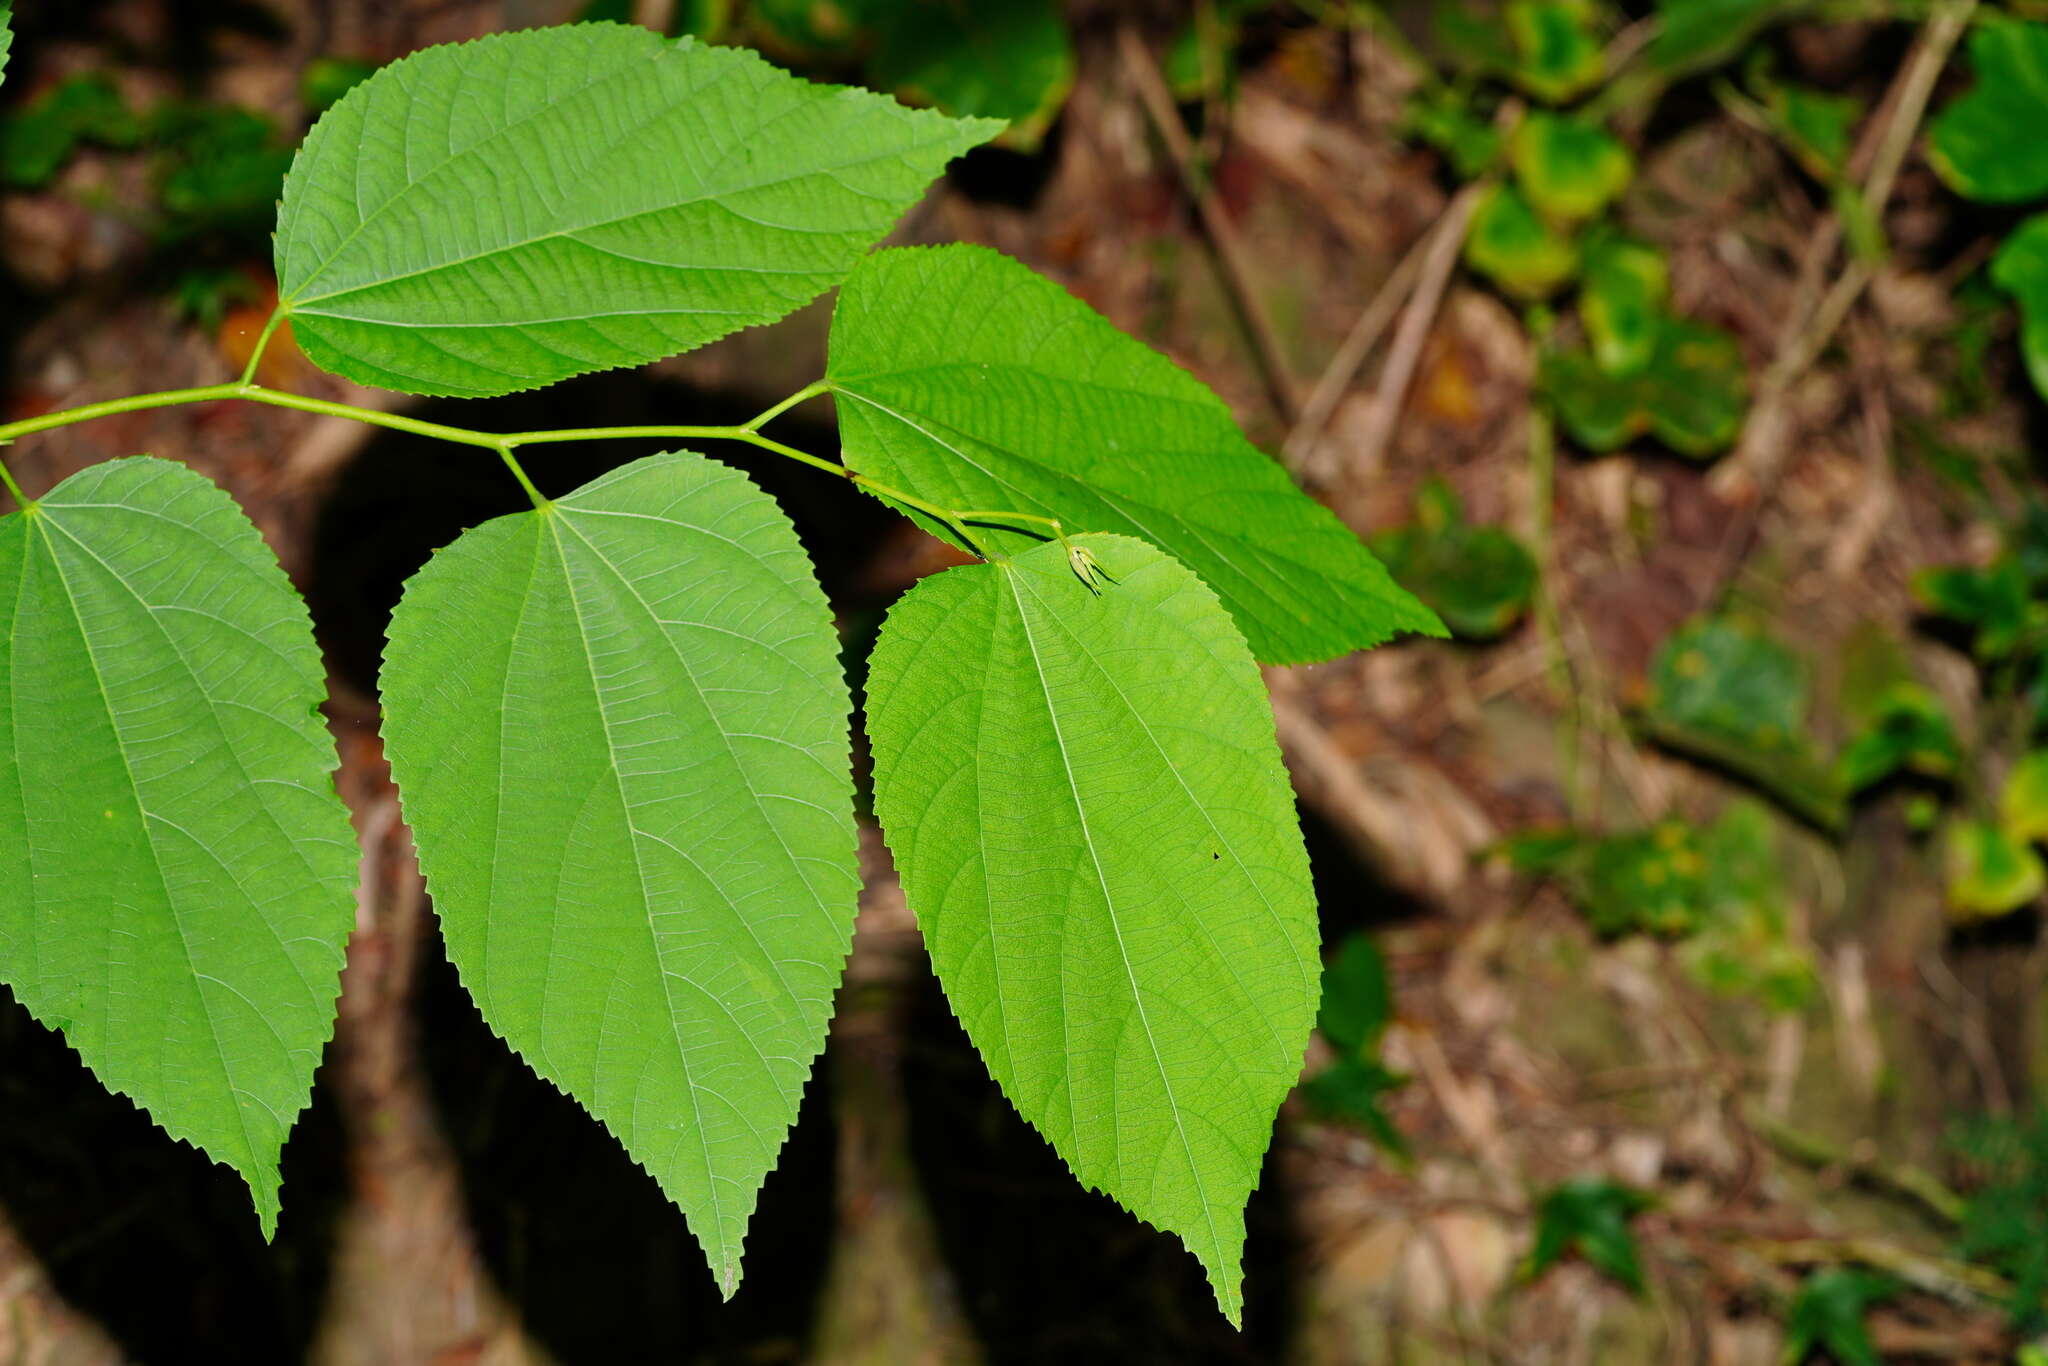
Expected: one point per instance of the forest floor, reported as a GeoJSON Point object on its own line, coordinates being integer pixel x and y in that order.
{"type": "Point", "coordinates": [444, 1206]}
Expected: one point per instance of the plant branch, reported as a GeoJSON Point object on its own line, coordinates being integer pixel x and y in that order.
{"type": "Point", "coordinates": [1165, 118]}
{"type": "Point", "coordinates": [505, 443]}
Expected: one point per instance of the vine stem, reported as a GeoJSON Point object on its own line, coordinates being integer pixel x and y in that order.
{"type": "Point", "coordinates": [246, 390]}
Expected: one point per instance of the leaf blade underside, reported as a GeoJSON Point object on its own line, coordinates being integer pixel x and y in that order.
{"type": "Point", "coordinates": [633, 806]}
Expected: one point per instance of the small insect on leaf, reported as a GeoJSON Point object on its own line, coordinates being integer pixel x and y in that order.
{"type": "Point", "coordinates": [1087, 568]}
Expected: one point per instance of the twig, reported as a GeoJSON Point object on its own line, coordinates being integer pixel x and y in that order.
{"type": "Point", "coordinates": [1404, 353]}
{"type": "Point", "coordinates": [1921, 1187]}
{"type": "Point", "coordinates": [1813, 318]}
{"type": "Point", "coordinates": [1230, 257]}
{"type": "Point", "coordinates": [1357, 345]}
{"type": "Point", "coordinates": [1957, 1282]}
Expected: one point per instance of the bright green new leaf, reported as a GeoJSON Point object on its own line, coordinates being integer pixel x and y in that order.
{"type": "Point", "coordinates": [1570, 169]}
{"type": "Point", "coordinates": [1589, 1216]}
{"type": "Point", "coordinates": [619, 729]}
{"type": "Point", "coordinates": [1691, 394]}
{"type": "Point", "coordinates": [1988, 144]}
{"type": "Point", "coordinates": [1479, 579]}
{"type": "Point", "coordinates": [1827, 1315]}
{"type": "Point", "coordinates": [6, 34]}
{"type": "Point", "coordinates": [1005, 59]}
{"type": "Point", "coordinates": [966, 379]}
{"type": "Point", "coordinates": [1722, 690]}
{"type": "Point", "coordinates": [502, 214]}
{"type": "Point", "coordinates": [1989, 873]}
{"type": "Point", "coordinates": [1817, 126]}
{"type": "Point", "coordinates": [2023, 804]}
{"type": "Point", "coordinates": [1622, 302]}
{"type": "Point", "coordinates": [1086, 803]}
{"type": "Point", "coordinates": [1520, 252]}
{"type": "Point", "coordinates": [2021, 269]}
{"type": "Point", "coordinates": [183, 873]}
{"type": "Point", "coordinates": [1556, 55]}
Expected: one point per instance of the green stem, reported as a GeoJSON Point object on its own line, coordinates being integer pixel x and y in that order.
{"type": "Point", "coordinates": [504, 443]}
{"type": "Point", "coordinates": [262, 344]}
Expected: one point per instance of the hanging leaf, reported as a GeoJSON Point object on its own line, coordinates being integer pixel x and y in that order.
{"type": "Point", "coordinates": [1479, 579]}
{"type": "Point", "coordinates": [1722, 690]}
{"type": "Point", "coordinates": [1087, 806]}
{"type": "Point", "coordinates": [619, 729]}
{"type": "Point", "coordinates": [1589, 1216]}
{"type": "Point", "coordinates": [503, 214]}
{"type": "Point", "coordinates": [1988, 144]}
{"type": "Point", "coordinates": [2023, 804]}
{"type": "Point", "coordinates": [1516, 249]}
{"type": "Point", "coordinates": [183, 873]}
{"type": "Point", "coordinates": [968, 380]}
{"type": "Point", "coordinates": [1556, 55]}
{"type": "Point", "coordinates": [1989, 872]}
{"type": "Point", "coordinates": [1827, 1315]}
{"type": "Point", "coordinates": [1005, 59]}
{"type": "Point", "coordinates": [2021, 269]}
{"type": "Point", "coordinates": [1691, 394]}
{"type": "Point", "coordinates": [1622, 303]}
{"type": "Point", "coordinates": [1569, 168]}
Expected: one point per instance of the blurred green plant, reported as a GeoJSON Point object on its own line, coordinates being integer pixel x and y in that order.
{"type": "Point", "coordinates": [1828, 1314]}
{"type": "Point", "coordinates": [1589, 1216]}
{"type": "Point", "coordinates": [1479, 579]}
{"type": "Point", "coordinates": [1357, 1006]}
{"type": "Point", "coordinates": [2005, 1215]}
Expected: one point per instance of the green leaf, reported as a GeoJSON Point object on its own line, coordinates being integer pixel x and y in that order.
{"type": "Point", "coordinates": [6, 34]}
{"type": "Point", "coordinates": [1695, 34]}
{"type": "Point", "coordinates": [1569, 168]}
{"type": "Point", "coordinates": [1995, 600]}
{"type": "Point", "coordinates": [619, 729]}
{"type": "Point", "coordinates": [1691, 394]}
{"type": "Point", "coordinates": [1746, 943]}
{"type": "Point", "coordinates": [1989, 872]}
{"type": "Point", "coordinates": [503, 214]}
{"type": "Point", "coordinates": [1589, 1216]}
{"type": "Point", "coordinates": [811, 30]}
{"type": "Point", "coordinates": [1827, 1315]}
{"type": "Point", "coordinates": [1443, 118]}
{"type": "Point", "coordinates": [967, 380]}
{"type": "Point", "coordinates": [1357, 1000]}
{"type": "Point", "coordinates": [1005, 59]}
{"type": "Point", "coordinates": [37, 142]}
{"type": "Point", "coordinates": [2021, 269]}
{"type": "Point", "coordinates": [1651, 881]}
{"type": "Point", "coordinates": [184, 874]}
{"type": "Point", "coordinates": [1351, 1091]}
{"type": "Point", "coordinates": [1988, 144]}
{"type": "Point", "coordinates": [1086, 803]}
{"type": "Point", "coordinates": [1622, 302]}
{"type": "Point", "coordinates": [1516, 249]}
{"type": "Point", "coordinates": [1556, 55]}
{"type": "Point", "coordinates": [2023, 804]}
{"type": "Point", "coordinates": [1817, 126]}
{"type": "Point", "coordinates": [1910, 731]}
{"type": "Point", "coordinates": [327, 79]}
{"type": "Point", "coordinates": [1479, 579]}
{"type": "Point", "coordinates": [1722, 690]}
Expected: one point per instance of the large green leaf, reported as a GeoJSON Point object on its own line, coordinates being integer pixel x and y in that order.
{"type": "Point", "coordinates": [966, 379]}
{"type": "Point", "coordinates": [1988, 144]}
{"type": "Point", "coordinates": [1086, 803]}
{"type": "Point", "coordinates": [619, 730]}
{"type": "Point", "coordinates": [183, 873]}
{"type": "Point", "coordinates": [503, 214]}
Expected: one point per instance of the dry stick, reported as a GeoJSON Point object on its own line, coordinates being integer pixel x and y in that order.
{"type": "Point", "coordinates": [1405, 352]}
{"type": "Point", "coordinates": [1358, 344]}
{"type": "Point", "coordinates": [1165, 118]}
{"type": "Point", "coordinates": [1809, 326]}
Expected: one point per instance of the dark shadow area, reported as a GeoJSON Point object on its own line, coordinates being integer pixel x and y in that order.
{"type": "Point", "coordinates": [144, 1234]}
{"type": "Point", "coordinates": [598, 1263]}
{"type": "Point", "coordinates": [1049, 1271]}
